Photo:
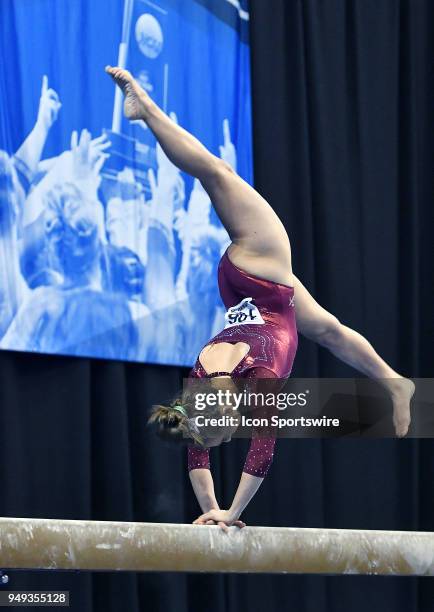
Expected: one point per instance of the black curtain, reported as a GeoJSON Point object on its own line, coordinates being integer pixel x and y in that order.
{"type": "Point", "coordinates": [342, 93]}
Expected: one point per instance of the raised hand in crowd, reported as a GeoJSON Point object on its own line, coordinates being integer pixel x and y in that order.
{"type": "Point", "coordinates": [30, 151]}
{"type": "Point", "coordinates": [228, 151]}
{"type": "Point", "coordinates": [88, 157]}
{"type": "Point", "coordinates": [80, 165]}
{"type": "Point", "coordinates": [49, 105]}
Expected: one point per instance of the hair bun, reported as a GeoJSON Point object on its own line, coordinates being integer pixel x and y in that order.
{"type": "Point", "coordinates": [170, 424]}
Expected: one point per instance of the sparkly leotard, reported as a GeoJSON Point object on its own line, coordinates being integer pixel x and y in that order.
{"type": "Point", "coordinates": [260, 313]}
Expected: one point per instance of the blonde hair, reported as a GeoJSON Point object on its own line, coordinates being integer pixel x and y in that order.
{"type": "Point", "coordinates": [172, 423]}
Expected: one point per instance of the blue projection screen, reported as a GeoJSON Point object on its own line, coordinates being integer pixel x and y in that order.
{"type": "Point", "coordinates": [106, 249]}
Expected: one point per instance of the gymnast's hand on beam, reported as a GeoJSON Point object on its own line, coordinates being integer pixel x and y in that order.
{"type": "Point", "coordinates": [222, 518]}
{"type": "Point", "coordinates": [238, 523]}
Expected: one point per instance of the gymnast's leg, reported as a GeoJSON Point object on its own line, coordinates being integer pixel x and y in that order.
{"type": "Point", "coordinates": [260, 242]}
{"type": "Point", "coordinates": [318, 325]}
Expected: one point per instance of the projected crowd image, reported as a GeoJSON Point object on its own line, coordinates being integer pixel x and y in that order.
{"type": "Point", "coordinates": [106, 248]}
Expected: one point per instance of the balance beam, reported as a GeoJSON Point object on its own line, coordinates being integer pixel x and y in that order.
{"type": "Point", "coordinates": [51, 544]}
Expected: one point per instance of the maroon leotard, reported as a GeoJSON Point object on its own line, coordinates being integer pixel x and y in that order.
{"type": "Point", "coordinates": [270, 331]}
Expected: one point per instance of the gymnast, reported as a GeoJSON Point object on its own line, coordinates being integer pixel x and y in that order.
{"type": "Point", "coordinates": [255, 279]}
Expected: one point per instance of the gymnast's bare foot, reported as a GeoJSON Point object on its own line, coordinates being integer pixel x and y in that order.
{"type": "Point", "coordinates": [136, 99]}
{"type": "Point", "coordinates": [402, 391]}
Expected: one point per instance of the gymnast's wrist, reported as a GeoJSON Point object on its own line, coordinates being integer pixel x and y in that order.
{"type": "Point", "coordinates": [209, 503]}
{"type": "Point", "coordinates": [234, 513]}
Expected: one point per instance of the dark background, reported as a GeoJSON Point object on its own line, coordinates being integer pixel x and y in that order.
{"type": "Point", "coordinates": [342, 93]}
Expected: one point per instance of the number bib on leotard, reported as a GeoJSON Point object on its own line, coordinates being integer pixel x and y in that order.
{"type": "Point", "coordinates": [244, 313]}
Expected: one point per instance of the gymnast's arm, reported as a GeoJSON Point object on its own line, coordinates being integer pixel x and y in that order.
{"type": "Point", "coordinates": [203, 486]}
{"type": "Point", "coordinates": [258, 461]}
{"type": "Point", "coordinates": [201, 478]}
{"type": "Point", "coordinates": [247, 488]}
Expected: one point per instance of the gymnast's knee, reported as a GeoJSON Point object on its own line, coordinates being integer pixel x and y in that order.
{"type": "Point", "coordinates": [216, 173]}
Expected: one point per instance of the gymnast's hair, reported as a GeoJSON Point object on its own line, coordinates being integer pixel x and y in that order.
{"type": "Point", "coordinates": [173, 423]}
